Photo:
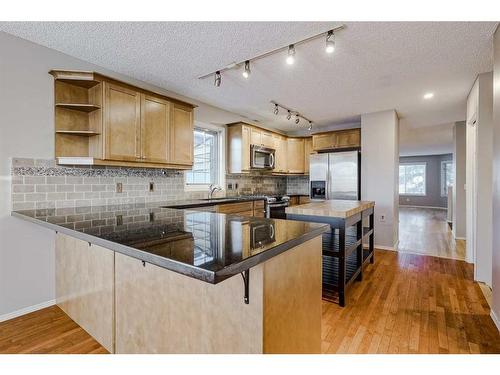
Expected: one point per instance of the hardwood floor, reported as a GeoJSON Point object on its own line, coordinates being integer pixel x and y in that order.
{"type": "Point", "coordinates": [48, 331]}
{"type": "Point", "coordinates": [425, 231]}
{"type": "Point", "coordinates": [410, 303]}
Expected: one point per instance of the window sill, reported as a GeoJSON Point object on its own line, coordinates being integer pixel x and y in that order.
{"type": "Point", "coordinates": [198, 188]}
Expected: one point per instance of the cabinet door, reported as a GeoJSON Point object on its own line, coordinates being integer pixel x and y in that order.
{"type": "Point", "coordinates": [267, 140]}
{"type": "Point", "coordinates": [255, 137]}
{"type": "Point", "coordinates": [307, 153]}
{"type": "Point", "coordinates": [348, 138]}
{"type": "Point", "coordinates": [284, 155]}
{"type": "Point", "coordinates": [181, 135]}
{"type": "Point", "coordinates": [279, 155]}
{"type": "Point", "coordinates": [245, 148]}
{"type": "Point", "coordinates": [295, 154]}
{"type": "Point", "coordinates": [323, 141]}
{"type": "Point", "coordinates": [155, 120]}
{"type": "Point", "coordinates": [122, 118]}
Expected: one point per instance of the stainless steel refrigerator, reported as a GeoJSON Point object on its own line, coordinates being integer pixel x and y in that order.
{"type": "Point", "coordinates": [335, 175]}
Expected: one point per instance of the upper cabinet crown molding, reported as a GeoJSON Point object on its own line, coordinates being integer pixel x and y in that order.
{"type": "Point", "coordinates": [103, 121]}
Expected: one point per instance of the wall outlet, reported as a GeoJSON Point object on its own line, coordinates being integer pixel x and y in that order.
{"type": "Point", "coordinates": [151, 216]}
{"type": "Point", "coordinates": [151, 186]}
{"type": "Point", "coordinates": [119, 187]}
{"type": "Point", "coordinates": [119, 220]}
{"type": "Point", "coordinates": [382, 218]}
{"type": "Point", "coordinates": [235, 186]}
{"type": "Point", "coordinates": [230, 186]}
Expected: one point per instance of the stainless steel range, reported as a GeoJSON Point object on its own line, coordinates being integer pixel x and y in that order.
{"type": "Point", "coordinates": [276, 205]}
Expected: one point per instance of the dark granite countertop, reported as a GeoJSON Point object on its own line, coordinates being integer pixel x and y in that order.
{"type": "Point", "coordinates": [204, 245]}
{"type": "Point", "coordinates": [195, 203]}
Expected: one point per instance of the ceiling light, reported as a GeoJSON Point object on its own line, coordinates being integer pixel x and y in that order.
{"type": "Point", "coordinates": [276, 109]}
{"type": "Point", "coordinates": [429, 95]}
{"type": "Point", "coordinates": [291, 55]}
{"type": "Point", "coordinates": [289, 116]}
{"type": "Point", "coordinates": [297, 118]}
{"type": "Point", "coordinates": [217, 79]}
{"type": "Point", "coordinates": [330, 42]}
{"type": "Point", "coordinates": [246, 72]}
{"type": "Point", "coordinates": [310, 125]}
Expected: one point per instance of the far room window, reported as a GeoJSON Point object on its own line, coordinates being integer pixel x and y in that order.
{"type": "Point", "coordinates": [207, 164]}
{"type": "Point", "coordinates": [446, 176]}
{"type": "Point", "coordinates": [412, 179]}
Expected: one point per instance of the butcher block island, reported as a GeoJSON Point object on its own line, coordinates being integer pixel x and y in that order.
{"type": "Point", "coordinates": [344, 256]}
{"type": "Point", "coordinates": [142, 278]}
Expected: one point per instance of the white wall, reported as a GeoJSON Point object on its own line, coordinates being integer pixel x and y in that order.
{"type": "Point", "coordinates": [495, 311]}
{"type": "Point", "coordinates": [27, 130]}
{"type": "Point", "coordinates": [459, 199]}
{"type": "Point", "coordinates": [380, 173]}
{"type": "Point", "coordinates": [479, 178]}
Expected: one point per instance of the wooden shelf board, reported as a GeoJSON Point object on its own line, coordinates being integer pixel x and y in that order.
{"type": "Point", "coordinates": [81, 82]}
{"type": "Point", "coordinates": [86, 133]}
{"type": "Point", "coordinates": [78, 107]}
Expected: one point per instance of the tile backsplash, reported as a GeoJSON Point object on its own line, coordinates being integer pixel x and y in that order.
{"type": "Point", "coordinates": [40, 183]}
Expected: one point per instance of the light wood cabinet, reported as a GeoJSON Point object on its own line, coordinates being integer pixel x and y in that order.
{"type": "Point", "coordinates": [155, 129]}
{"type": "Point", "coordinates": [261, 138]}
{"type": "Point", "coordinates": [295, 154]}
{"type": "Point", "coordinates": [181, 135]}
{"type": "Point", "coordinates": [238, 149]}
{"type": "Point", "coordinates": [348, 138]}
{"type": "Point", "coordinates": [307, 153]}
{"type": "Point", "coordinates": [255, 137]}
{"type": "Point", "coordinates": [280, 146]}
{"type": "Point", "coordinates": [122, 123]}
{"type": "Point", "coordinates": [102, 121]}
{"type": "Point", "coordinates": [267, 139]}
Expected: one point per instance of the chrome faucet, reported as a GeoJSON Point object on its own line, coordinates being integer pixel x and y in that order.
{"type": "Point", "coordinates": [212, 189]}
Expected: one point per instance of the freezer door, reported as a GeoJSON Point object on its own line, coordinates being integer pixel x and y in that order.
{"type": "Point", "coordinates": [343, 175]}
{"type": "Point", "coordinates": [318, 175]}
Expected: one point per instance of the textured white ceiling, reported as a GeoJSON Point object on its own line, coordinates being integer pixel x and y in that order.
{"type": "Point", "coordinates": [376, 65]}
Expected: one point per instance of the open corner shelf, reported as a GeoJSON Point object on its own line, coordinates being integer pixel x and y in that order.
{"type": "Point", "coordinates": [83, 133]}
{"type": "Point", "coordinates": [78, 107]}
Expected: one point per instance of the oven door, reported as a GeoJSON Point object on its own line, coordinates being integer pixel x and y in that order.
{"type": "Point", "coordinates": [261, 157]}
{"type": "Point", "coordinates": [277, 210]}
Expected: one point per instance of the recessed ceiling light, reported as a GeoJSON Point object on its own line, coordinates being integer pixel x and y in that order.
{"type": "Point", "coordinates": [429, 95]}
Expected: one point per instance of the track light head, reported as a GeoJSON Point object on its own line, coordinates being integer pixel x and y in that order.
{"type": "Point", "coordinates": [246, 71]}
{"type": "Point", "coordinates": [217, 79]}
{"type": "Point", "coordinates": [297, 119]}
{"type": "Point", "coordinates": [276, 109]}
{"type": "Point", "coordinates": [289, 116]}
{"type": "Point", "coordinates": [310, 126]}
{"type": "Point", "coordinates": [330, 42]}
{"type": "Point", "coordinates": [291, 55]}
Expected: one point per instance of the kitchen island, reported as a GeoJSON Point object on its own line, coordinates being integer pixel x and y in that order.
{"type": "Point", "coordinates": [343, 251]}
{"type": "Point", "coordinates": [142, 278]}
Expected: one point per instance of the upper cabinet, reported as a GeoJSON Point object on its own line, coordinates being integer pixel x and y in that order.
{"type": "Point", "coordinates": [281, 157]}
{"type": "Point", "coordinates": [295, 154]}
{"type": "Point", "coordinates": [307, 153]}
{"type": "Point", "coordinates": [261, 137]}
{"type": "Point", "coordinates": [350, 138]}
{"type": "Point", "coordinates": [238, 148]}
{"type": "Point", "coordinates": [102, 121]}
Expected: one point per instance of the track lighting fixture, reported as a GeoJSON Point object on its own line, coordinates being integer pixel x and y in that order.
{"type": "Point", "coordinates": [297, 119]}
{"type": "Point", "coordinates": [310, 126]}
{"type": "Point", "coordinates": [330, 42]}
{"type": "Point", "coordinates": [217, 79]}
{"type": "Point", "coordinates": [289, 116]}
{"type": "Point", "coordinates": [276, 109]}
{"type": "Point", "coordinates": [291, 55]}
{"type": "Point", "coordinates": [246, 71]}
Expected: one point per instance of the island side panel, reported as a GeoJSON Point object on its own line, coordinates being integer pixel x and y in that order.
{"type": "Point", "coordinates": [160, 311]}
{"type": "Point", "coordinates": [85, 287]}
{"type": "Point", "coordinates": [292, 300]}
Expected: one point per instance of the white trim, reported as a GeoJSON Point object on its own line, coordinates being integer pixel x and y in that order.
{"type": "Point", "coordinates": [495, 319]}
{"type": "Point", "coordinates": [380, 247]}
{"type": "Point", "coordinates": [413, 206]}
{"type": "Point", "coordinates": [27, 310]}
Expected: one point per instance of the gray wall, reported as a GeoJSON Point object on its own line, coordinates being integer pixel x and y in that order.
{"type": "Point", "coordinates": [495, 311]}
{"type": "Point", "coordinates": [459, 196]}
{"type": "Point", "coordinates": [433, 196]}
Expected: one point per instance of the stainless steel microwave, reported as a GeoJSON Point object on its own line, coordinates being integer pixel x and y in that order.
{"type": "Point", "coordinates": [261, 157]}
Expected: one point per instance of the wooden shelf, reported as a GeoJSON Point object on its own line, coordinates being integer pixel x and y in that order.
{"type": "Point", "coordinates": [84, 133]}
{"type": "Point", "coordinates": [79, 107]}
{"type": "Point", "coordinates": [81, 79]}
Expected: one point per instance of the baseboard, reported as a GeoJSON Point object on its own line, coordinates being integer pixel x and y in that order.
{"type": "Point", "coordinates": [27, 310]}
{"type": "Point", "coordinates": [384, 247]}
{"type": "Point", "coordinates": [495, 319]}
{"type": "Point", "coordinates": [460, 238]}
{"type": "Point", "coordinates": [411, 206]}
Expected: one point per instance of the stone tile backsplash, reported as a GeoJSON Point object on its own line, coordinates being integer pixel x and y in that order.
{"type": "Point", "coordinates": [40, 184]}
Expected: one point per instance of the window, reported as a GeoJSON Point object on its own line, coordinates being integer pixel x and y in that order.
{"type": "Point", "coordinates": [207, 162]}
{"type": "Point", "coordinates": [412, 179]}
{"type": "Point", "coordinates": [446, 176]}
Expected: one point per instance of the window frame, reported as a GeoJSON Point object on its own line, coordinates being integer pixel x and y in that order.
{"type": "Point", "coordinates": [419, 163]}
{"type": "Point", "coordinates": [443, 174]}
{"type": "Point", "coordinates": [221, 173]}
